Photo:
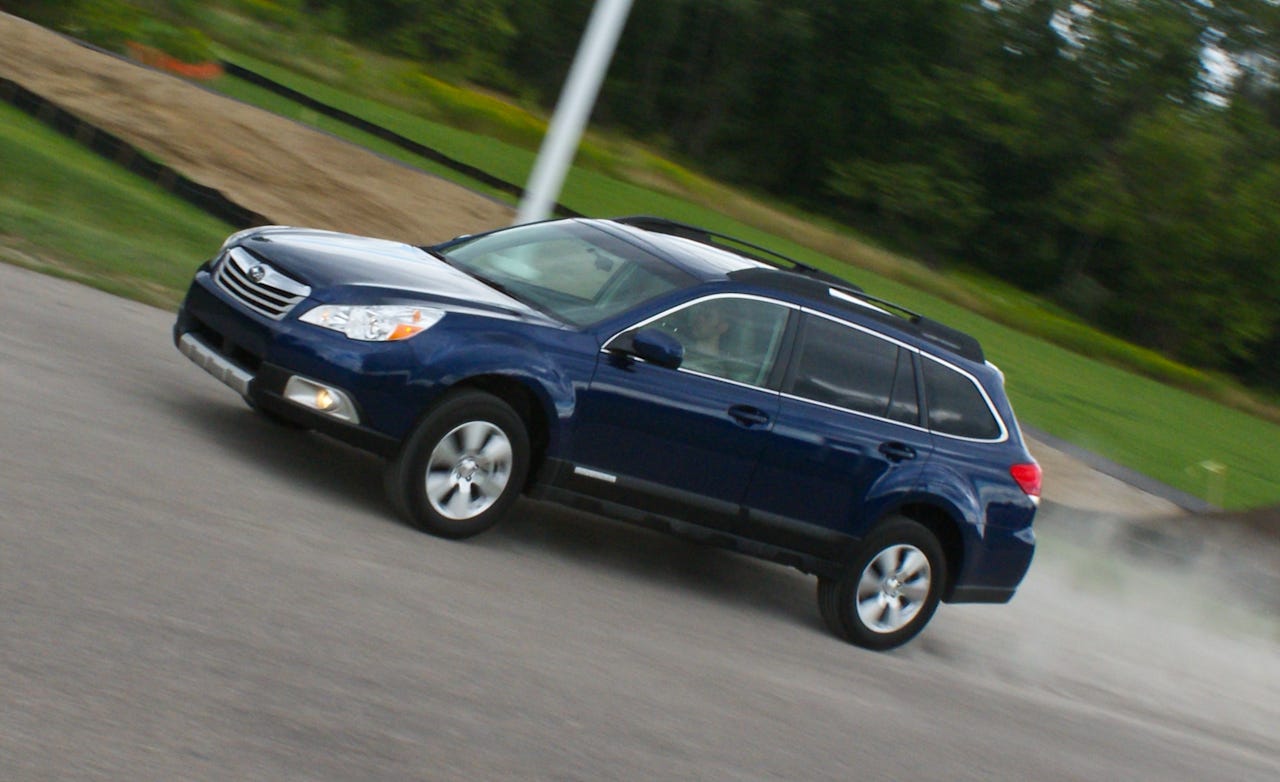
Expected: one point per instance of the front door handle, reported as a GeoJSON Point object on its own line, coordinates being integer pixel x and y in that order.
{"type": "Point", "coordinates": [897, 452]}
{"type": "Point", "coordinates": [748, 415]}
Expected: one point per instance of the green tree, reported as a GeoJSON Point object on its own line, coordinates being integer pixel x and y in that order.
{"type": "Point", "coordinates": [1120, 155]}
{"type": "Point", "coordinates": [472, 33]}
{"type": "Point", "coordinates": [1186, 237]}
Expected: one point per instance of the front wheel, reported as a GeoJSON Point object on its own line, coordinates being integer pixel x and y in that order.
{"type": "Point", "coordinates": [890, 590]}
{"type": "Point", "coordinates": [463, 468]}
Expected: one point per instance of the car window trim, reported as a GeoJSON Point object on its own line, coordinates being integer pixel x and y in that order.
{"type": "Point", "coordinates": [789, 378]}
{"type": "Point", "coordinates": [770, 380]}
{"type": "Point", "coordinates": [865, 330]}
{"type": "Point", "coordinates": [922, 399]}
{"type": "Point", "coordinates": [1004, 429]}
{"type": "Point", "coordinates": [859, 413]}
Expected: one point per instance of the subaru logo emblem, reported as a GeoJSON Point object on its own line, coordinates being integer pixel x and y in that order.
{"type": "Point", "coordinates": [257, 273]}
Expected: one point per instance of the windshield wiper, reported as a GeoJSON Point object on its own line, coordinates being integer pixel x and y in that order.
{"type": "Point", "coordinates": [497, 286]}
{"type": "Point", "coordinates": [520, 297]}
{"type": "Point", "coordinates": [434, 253]}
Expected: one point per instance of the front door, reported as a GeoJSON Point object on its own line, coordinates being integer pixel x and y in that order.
{"type": "Point", "coordinates": [684, 442]}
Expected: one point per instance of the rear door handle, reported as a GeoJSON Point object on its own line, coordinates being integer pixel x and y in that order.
{"type": "Point", "coordinates": [897, 452]}
{"type": "Point", "coordinates": [748, 415]}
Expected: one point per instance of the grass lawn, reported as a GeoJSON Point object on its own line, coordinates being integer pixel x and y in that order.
{"type": "Point", "coordinates": [85, 218]}
{"type": "Point", "coordinates": [587, 191]}
{"type": "Point", "coordinates": [67, 211]}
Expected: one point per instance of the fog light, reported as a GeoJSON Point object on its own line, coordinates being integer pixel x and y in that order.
{"type": "Point", "coordinates": [317, 396]}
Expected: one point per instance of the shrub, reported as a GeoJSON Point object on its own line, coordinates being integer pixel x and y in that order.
{"type": "Point", "coordinates": [107, 23]}
{"type": "Point", "coordinates": [186, 44]}
{"type": "Point", "coordinates": [283, 13]}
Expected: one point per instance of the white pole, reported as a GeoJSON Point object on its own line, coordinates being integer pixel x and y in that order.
{"type": "Point", "coordinates": [573, 109]}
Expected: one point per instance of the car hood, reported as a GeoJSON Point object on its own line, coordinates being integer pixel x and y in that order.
{"type": "Point", "coordinates": [326, 260]}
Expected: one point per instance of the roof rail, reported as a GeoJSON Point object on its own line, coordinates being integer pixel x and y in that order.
{"type": "Point", "coordinates": [944, 336]}
{"type": "Point", "coordinates": [941, 335]}
{"type": "Point", "coordinates": [733, 244]}
{"type": "Point", "coordinates": [953, 339]}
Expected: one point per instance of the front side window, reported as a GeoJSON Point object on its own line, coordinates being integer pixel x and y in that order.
{"type": "Point", "coordinates": [577, 273]}
{"type": "Point", "coordinates": [956, 406]}
{"type": "Point", "coordinates": [728, 337]}
{"type": "Point", "coordinates": [842, 366]}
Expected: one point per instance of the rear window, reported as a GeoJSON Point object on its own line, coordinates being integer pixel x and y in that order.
{"type": "Point", "coordinates": [844, 367]}
{"type": "Point", "coordinates": [956, 406]}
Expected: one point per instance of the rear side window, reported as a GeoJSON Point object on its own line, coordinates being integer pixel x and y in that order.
{"type": "Point", "coordinates": [956, 406]}
{"type": "Point", "coordinates": [842, 366]}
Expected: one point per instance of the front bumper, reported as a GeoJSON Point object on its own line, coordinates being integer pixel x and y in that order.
{"type": "Point", "coordinates": [257, 357]}
{"type": "Point", "coordinates": [994, 566]}
{"type": "Point", "coordinates": [213, 362]}
{"type": "Point", "coordinates": [266, 390]}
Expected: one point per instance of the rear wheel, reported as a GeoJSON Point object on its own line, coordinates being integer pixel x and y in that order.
{"type": "Point", "coordinates": [891, 588]}
{"type": "Point", "coordinates": [463, 468]}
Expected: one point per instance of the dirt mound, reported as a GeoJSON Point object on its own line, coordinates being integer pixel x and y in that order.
{"type": "Point", "coordinates": [268, 164]}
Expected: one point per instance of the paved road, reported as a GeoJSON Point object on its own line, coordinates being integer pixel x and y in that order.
{"type": "Point", "coordinates": [187, 592]}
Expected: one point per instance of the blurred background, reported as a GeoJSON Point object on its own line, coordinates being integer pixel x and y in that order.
{"type": "Point", "coordinates": [1090, 188]}
{"type": "Point", "coordinates": [1101, 177]}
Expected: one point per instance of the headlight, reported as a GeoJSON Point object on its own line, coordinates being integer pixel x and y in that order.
{"type": "Point", "coordinates": [376, 323]}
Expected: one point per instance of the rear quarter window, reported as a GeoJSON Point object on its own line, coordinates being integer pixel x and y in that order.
{"type": "Point", "coordinates": [956, 406]}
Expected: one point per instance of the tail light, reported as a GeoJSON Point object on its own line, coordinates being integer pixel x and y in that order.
{"type": "Point", "coordinates": [1028, 477]}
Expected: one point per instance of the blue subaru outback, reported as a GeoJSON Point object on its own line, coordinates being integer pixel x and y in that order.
{"type": "Point", "coordinates": [652, 372]}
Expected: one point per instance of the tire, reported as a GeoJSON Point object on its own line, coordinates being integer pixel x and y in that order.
{"type": "Point", "coordinates": [828, 595]}
{"type": "Point", "coordinates": [463, 467]}
{"type": "Point", "coordinates": [891, 588]}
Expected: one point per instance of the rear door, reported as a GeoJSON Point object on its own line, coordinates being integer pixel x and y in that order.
{"type": "Point", "coordinates": [848, 435]}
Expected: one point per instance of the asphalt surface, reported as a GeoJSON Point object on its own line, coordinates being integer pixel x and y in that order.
{"type": "Point", "coordinates": [188, 592]}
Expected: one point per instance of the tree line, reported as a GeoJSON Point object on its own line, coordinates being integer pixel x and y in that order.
{"type": "Point", "coordinates": [1120, 157]}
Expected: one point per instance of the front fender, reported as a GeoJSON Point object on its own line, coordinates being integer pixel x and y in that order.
{"type": "Point", "coordinates": [552, 370]}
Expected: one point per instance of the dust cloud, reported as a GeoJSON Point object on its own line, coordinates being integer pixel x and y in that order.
{"type": "Point", "coordinates": [1168, 620]}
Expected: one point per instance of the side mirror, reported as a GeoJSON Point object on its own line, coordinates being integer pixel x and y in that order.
{"type": "Point", "coordinates": [657, 347]}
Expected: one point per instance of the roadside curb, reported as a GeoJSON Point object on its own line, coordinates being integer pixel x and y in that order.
{"type": "Point", "coordinates": [1186, 501]}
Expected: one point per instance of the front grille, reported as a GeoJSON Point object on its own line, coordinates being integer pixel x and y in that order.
{"type": "Point", "coordinates": [258, 286]}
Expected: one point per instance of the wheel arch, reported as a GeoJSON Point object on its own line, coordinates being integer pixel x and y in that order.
{"type": "Point", "coordinates": [946, 528]}
{"type": "Point", "coordinates": [527, 404]}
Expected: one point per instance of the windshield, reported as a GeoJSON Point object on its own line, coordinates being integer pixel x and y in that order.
{"type": "Point", "coordinates": [572, 271]}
